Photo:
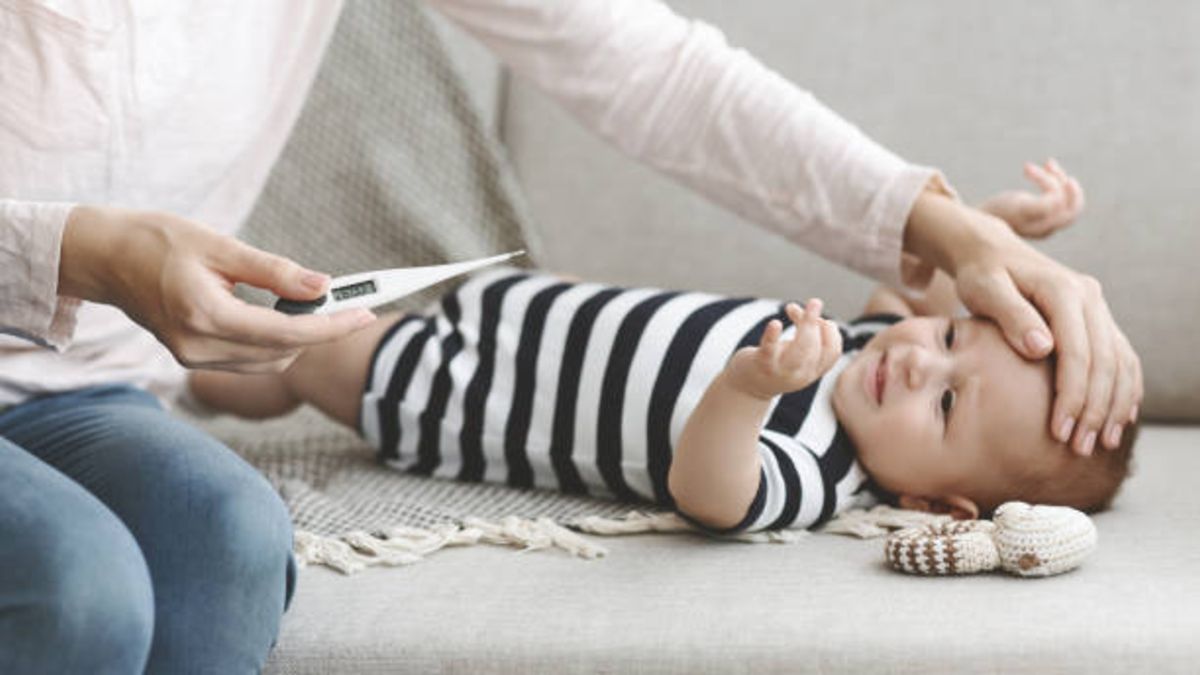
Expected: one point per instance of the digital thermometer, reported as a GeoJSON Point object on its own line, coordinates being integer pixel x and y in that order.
{"type": "Point", "coordinates": [371, 289]}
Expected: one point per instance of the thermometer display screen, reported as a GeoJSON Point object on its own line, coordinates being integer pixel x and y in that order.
{"type": "Point", "coordinates": [353, 290]}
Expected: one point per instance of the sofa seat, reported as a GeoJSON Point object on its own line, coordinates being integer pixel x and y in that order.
{"type": "Point", "coordinates": [684, 604]}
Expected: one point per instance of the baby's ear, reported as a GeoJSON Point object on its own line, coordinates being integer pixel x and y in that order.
{"type": "Point", "coordinates": [958, 506]}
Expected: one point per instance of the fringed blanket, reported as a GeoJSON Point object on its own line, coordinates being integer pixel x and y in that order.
{"type": "Point", "coordinates": [351, 512]}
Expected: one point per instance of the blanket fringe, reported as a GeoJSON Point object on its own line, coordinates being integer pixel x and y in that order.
{"type": "Point", "coordinates": [355, 551]}
{"type": "Point", "coordinates": [879, 521]}
{"type": "Point", "coordinates": [639, 522]}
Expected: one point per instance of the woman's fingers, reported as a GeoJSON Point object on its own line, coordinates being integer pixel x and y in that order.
{"type": "Point", "coordinates": [242, 359]}
{"type": "Point", "coordinates": [238, 332]}
{"type": "Point", "coordinates": [1101, 379]}
{"type": "Point", "coordinates": [1127, 391]}
{"type": "Point", "coordinates": [1097, 374]}
{"type": "Point", "coordinates": [244, 263]}
{"type": "Point", "coordinates": [1138, 381]}
{"type": "Point", "coordinates": [242, 340]}
{"type": "Point", "coordinates": [1093, 356]}
{"type": "Point", "coordinates": [993, 293]}
{"type": "Point", "coordinates": [240, 323]}
{"type": "Point", "coordinates": [1124, 397]}
{"type": "Point", "coordinates": [1064, 305]}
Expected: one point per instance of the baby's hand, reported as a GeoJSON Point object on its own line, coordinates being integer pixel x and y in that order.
{"type": "Point", "coordinates": [1038, 216]}
{"type": "Point", "coordinates": [777, 366]}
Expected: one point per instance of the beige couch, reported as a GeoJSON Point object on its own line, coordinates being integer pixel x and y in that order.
{"type": "Point", "coordinates": [1113, 91]}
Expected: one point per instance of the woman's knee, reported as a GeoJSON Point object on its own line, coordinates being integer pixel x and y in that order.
{"type": "Point", "coordinates": [89, 599]}
{"type": "Point", "coordinates": [246, 526]}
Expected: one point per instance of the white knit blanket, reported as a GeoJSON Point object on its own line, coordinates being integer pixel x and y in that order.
{"type": "Point", "coordinates": [351, 512]}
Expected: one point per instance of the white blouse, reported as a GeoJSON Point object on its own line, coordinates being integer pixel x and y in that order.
{"type": "Point", "coordinates": [184, 107]}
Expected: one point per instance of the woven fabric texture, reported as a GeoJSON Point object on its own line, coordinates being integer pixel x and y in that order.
{"type": "Point", "coordinates": [390, 164]}
{"type": "Point", "coordinates": [333, 484]}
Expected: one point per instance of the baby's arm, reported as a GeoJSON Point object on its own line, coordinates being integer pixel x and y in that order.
{"type": "Point", "coordinates": [714, 474]}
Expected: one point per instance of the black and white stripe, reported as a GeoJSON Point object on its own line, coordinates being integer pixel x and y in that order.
{"type": "Point", "coordinates": [537, 382]}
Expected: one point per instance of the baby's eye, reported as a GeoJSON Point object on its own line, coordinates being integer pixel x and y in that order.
{"type": "Point", "coordinates": [947, 401]}
{"type": "Point", "coordinates": [950, 335]}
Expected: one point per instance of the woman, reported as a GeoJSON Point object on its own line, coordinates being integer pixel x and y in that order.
{"type": "Point", "coordinates": [163, 549]}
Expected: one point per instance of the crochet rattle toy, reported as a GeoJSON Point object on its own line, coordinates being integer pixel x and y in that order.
{"type": "Point", "coordinates": [1029, 541]}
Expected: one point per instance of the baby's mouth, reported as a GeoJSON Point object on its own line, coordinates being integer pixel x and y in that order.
{"type": "Point", "coordinates": [874, 378]}
{"type": "Point", "coordinates": [880, 378]}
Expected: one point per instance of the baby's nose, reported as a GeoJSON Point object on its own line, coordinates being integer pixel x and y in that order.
{"type": "Point", "coordinates": [912, 369]}
{"type": "Point", "coordinates": [919, 365]}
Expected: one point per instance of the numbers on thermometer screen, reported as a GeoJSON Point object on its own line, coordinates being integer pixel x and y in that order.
{"type": "Point", "coordinates": [353, 290]}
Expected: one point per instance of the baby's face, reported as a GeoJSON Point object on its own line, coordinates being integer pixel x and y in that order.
{"type": "Point", "coordinates": [939, 406]}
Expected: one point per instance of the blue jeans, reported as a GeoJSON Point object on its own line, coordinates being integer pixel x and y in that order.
{"type": "Point", "coordinates": [132, 542]}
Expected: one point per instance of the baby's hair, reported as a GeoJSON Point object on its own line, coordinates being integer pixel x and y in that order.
{"type": "Point", "coordinates": [1113, 468]}
{"type": "Point", "coordinates": [1086, 483]}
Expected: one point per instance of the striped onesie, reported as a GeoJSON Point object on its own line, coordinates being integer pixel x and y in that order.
{"type": "Point", "coordinates": [524, 378]}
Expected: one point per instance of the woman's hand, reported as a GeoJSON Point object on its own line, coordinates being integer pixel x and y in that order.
{"type": "Point", "coordinates": [1037, 216]}
{"type": "Point", "coordinates": [175, 278]}
{"type": "Point", "coordinates": [1099, 377]}
{"type": "Point", "coordinates": [778, 366]}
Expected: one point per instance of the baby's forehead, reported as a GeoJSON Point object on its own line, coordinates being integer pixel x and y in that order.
{"type": "Point", "coordinates": [1015, 394]}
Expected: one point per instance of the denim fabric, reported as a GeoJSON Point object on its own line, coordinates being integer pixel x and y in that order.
{"type": "Point", "coordinates": [132, 542]}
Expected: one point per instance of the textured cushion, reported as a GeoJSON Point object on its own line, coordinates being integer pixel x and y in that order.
{"type": "Point", "coordinates": [685, 605]}
{"type": "Point", "coordinates": [973, 88]}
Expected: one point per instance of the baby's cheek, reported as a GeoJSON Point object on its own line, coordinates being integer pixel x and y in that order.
{"type": "Point", "coordinates": [871, 447]}
{"type": "Point", "coordinates": [895, 456]}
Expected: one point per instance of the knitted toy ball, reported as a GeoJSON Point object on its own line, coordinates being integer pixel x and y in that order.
{"type": "Point", "coordinates": [957, 547]}
{"type": "Point", "coordinates": [1039, 541]}
{"type": "Point", "coordinates": [1024, 540]}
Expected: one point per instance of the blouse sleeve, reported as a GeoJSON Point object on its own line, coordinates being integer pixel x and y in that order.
{"type": "Point", "coordinates": [30, 248]}
{"type": "Point", "coordinates": [672, 93]}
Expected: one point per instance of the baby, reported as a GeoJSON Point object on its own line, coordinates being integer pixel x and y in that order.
{"type": "Point", "coordinates": [742, 414]}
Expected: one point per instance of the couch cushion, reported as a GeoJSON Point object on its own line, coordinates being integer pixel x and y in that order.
{"type": "Point", "coordinates": [973, 88]}
{"type": "Point", "coordinates": [687, 605]}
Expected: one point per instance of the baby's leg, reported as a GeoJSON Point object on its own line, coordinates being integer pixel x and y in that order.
{"type": "Point", "coordinates": [252, 396]}
{"type": "Point", "coordinates": [330, 376]}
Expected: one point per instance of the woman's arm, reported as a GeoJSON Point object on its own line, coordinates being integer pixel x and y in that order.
{"type": "Point", "coordinates": [714, 473]}
{"type": "Point", "coordinates": [672, 93]}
